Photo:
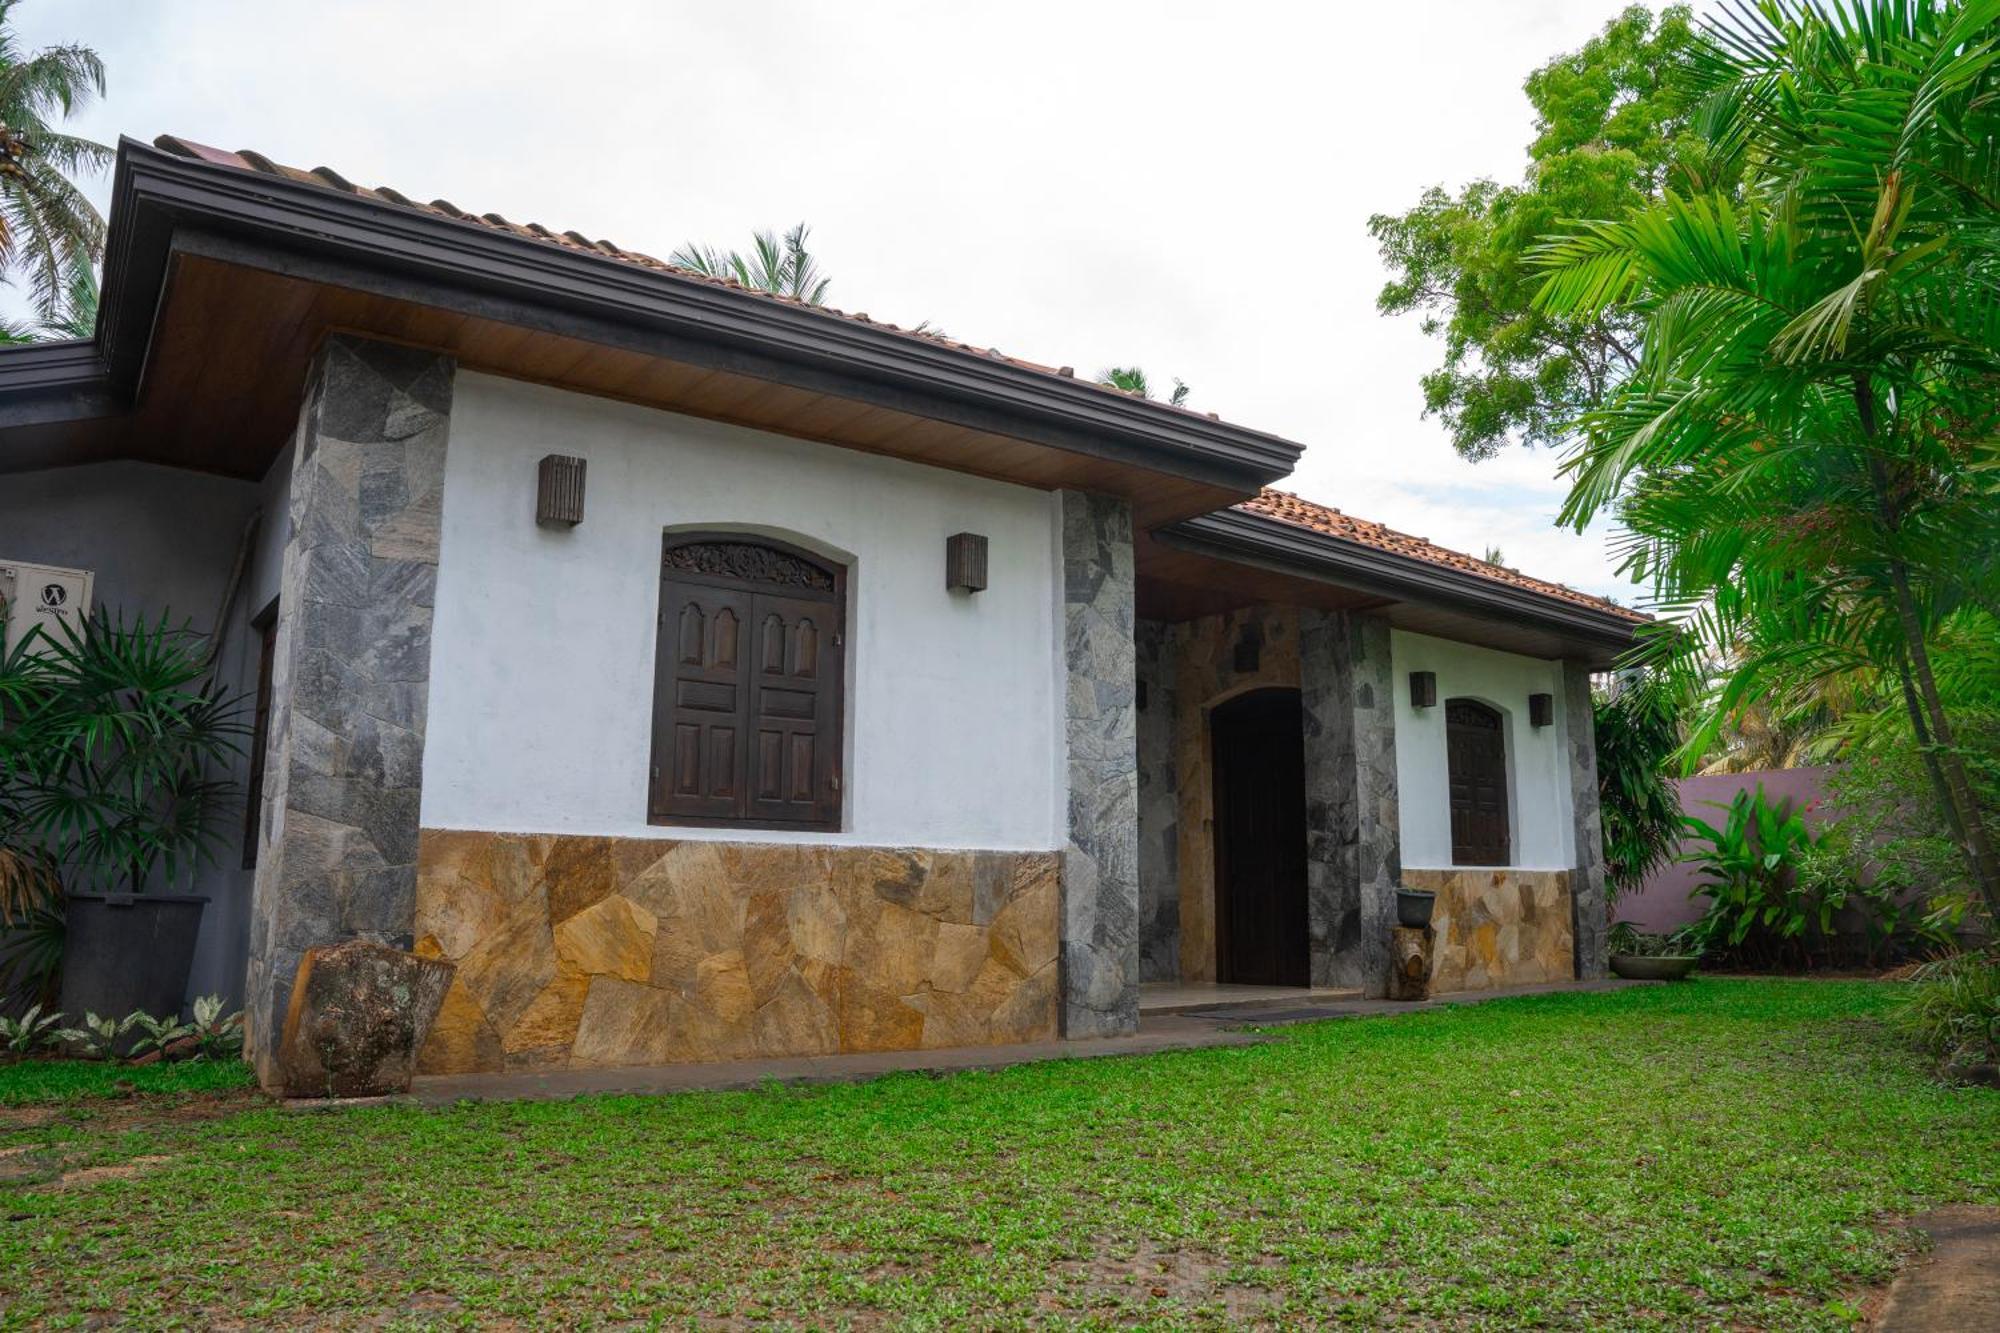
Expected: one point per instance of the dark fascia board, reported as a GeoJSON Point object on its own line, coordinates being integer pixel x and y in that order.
{"type": "Point", "coordinates": [1271, 543]}
{"type": "Point", "coordinates": [48, 382]}
{"type": "Point", "coordinates": [162, 202]}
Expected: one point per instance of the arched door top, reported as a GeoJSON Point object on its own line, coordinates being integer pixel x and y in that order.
{"type": "Point", "coordinates": [744, 560]}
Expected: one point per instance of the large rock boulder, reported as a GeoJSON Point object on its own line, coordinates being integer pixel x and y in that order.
{"type": "Point", "coordinates": [359, 1014]}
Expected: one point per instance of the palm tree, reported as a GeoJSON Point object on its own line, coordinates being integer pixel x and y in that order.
{"type": "Point", "coordinates": [49, 233]}
{"type": "Point", "coordinates": [782, 268]}
{"type": "Point", "coordinates": [1804, 460]}
{"type": "Point", "coordinates": [1133, 380]}
{"type": "Point", "coordinates": [77, 319]}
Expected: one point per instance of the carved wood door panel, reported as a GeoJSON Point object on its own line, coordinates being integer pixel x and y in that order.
{"type": "Point", "coordinates": [1476, 758]}
{"type": "Point", "coordinates": [747, 691]}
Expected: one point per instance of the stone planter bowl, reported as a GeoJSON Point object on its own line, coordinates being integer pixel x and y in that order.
{"type": "Point", "coordinates": [1413, 907]}
{"type": "Point", "coordinates": [1633, 967]}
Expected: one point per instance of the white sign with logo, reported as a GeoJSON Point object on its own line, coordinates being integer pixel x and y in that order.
{"type": "Point", "coordinates": [44, 595]}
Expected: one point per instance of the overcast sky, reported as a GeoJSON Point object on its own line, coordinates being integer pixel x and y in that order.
{"type": "Point", "coordinates": [1185, 187]}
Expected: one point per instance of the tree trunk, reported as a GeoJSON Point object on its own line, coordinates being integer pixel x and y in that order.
{"type": "Point", "coordinates": [1946, 766]}
{"type": "Point", "coordinates": [1950, 765]}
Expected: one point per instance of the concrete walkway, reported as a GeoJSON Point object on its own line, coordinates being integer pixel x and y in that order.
{"type": "Point", "coordinates": [1956, 1287]}
{"type": "Point", "coordinates": [1222, 1023]}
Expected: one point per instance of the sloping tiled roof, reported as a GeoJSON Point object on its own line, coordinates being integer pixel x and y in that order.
{"type": "Point", "coordinates": [249, 160]}
{"type": "Point", "coordinates": [1288, 508]}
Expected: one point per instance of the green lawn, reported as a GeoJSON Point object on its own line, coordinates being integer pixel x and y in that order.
{"type": "Point", "coordinates": [41, 1081]}
{"type": "Point", "coordinates": [1728, 1152]}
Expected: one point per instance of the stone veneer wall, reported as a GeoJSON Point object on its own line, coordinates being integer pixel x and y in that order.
{"type": "Point", "coordinates": [1498, 927]}
{"type": "Point", "coordinates": [1353, 845]}
{"type": "Point", "coordinates": [1204, 665]}
{"type": "Point", "coordinates": [337, 850]}
{"type": "Point", "coordinates": [1100, 859]}
{"type": "Point", "coordinates": [579, 951]}
{"type": "Point", "coordinates": [1159, 793]}
{"type": "Point", "coordinates": [1591, 923]}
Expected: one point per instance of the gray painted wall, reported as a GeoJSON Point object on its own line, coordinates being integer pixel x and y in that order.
{"type": "Point", "coordinates": [164, 540]}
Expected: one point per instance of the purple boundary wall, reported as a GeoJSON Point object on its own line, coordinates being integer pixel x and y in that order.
{"type": "Point", "coordinates": [1662, 903]}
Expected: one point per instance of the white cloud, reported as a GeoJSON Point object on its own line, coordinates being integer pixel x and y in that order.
{"type": "Point", "coordinates": [1184, 186]}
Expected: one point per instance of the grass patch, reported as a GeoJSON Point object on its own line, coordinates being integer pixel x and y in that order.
{"type": "Point", "coordinates": [1726, 1152]}
{"type": "Point", "coordinates": [36, 1082]}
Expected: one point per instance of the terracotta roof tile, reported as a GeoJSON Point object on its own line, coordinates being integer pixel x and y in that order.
{"type": "Point", "coordinates": [327, 178]}
{"type": "Point", "coordinates": [1289, 508]}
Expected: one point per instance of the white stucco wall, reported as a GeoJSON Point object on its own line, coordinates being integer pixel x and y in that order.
{"type": "Point", "coordinates": [1538, 794]}
{"type": "Point", "coordinates": [542, 651]}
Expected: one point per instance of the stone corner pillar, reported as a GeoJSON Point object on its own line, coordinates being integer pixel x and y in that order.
{"type": "Point", "coordinates": [1590, 906]}
{"type": "Point", "coordinates": [337, 842]}
{"type": "Point", "coordinates": [1100, 856]}
{"type": "Point", "coordinates": [1353, 844]}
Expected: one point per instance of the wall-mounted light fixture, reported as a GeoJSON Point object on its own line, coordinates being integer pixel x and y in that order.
{"type": "Point", "coordinates": [1541, 709]}
{"type": "Point", "coordinates": [965, 562]}
{"type": "Point", "coordinates": [1423, 689]}
{"type": "Point", "coordinates": [559, 494]}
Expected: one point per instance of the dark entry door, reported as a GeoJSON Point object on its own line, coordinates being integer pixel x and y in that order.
{"type": "Point", "coordinates": [1258, 743]}
{"type": "Point", "coordinates": [1475, 744]}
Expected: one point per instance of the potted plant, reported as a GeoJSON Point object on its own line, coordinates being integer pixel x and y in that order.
{"type": "Point", "coordinates": [111, 736]}
{"type": "Point", "coordinates": [1414, 907]}
{"type": "Point", "coordinates": [1639, 956]}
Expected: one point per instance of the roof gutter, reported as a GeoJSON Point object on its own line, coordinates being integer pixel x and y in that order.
{"type": "Point", "coordinates": [163, 203]}
{"type": "Point", "coordinates": [1270, 543]}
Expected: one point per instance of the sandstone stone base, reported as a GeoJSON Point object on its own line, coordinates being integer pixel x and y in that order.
{"type": "Point", "coordinates": [1498, 927]}
{"type": "Point", "coordinates": [592, 951]}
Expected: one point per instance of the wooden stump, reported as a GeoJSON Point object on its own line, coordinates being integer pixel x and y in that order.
{"type": "Point", "coordinates": [1410, 951]}
{"type": "Point", "coordinates": [359, 1014]}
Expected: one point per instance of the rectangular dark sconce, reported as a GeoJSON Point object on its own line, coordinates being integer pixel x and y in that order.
{"type": "Point", "coordinates": [1423, 689]}
{"type": "Point", "coordinates": [965, 562]}
{"type": "Point", "coordinates": [1541, 709]}
{"type": "Point", "coordinates": [559, 496]}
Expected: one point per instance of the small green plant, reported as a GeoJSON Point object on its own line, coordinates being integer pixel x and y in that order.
{"type": "Point", "coordinates": [155, 1034]}
{"type": "Point", "coordinates": [1954, 1010]}
{"type": "Point", "coordinates": [218, 1036]}
{"type": "Point", "coordinates": [98, 1038]}
{"type": "Point", "coordinates": [1628, 939]}
{"type": "Point", "coordinates": [19, 1036]}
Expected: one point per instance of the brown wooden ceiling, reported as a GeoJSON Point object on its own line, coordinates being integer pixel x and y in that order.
{"type": "Point", "coordinates": [222, 389]}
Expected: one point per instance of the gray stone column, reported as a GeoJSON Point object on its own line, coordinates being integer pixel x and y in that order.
{"type": "Point", "coordinates": [1590, 907]}
{"type": "Point", "coordinates": [1159, 807]}
{"type": "Point", "coordinates": [337, 849]}
{"type": "Point", "coordinates": [1353, 847]}
{"type": "Point", "coordinates": [1100, 861]}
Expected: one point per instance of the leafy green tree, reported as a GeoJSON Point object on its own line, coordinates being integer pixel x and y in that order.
{"type": "Point", "coordinates": [1133, 380]}
{"type": "Point", "coordinates": [1804, 458]}
{"type": "Point", "coordinates": [1611, 132]}
{"type": "Point", "coordinates": [781, 267]}
{"type": "Point", "coordinates": [49, 233]}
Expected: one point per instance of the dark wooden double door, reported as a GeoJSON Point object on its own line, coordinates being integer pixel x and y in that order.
{"type": "Point", "coordinates": [1257, 745]}
{"type": "Point", "coordinates": [747, 699]}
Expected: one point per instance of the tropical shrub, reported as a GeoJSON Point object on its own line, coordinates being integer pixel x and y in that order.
{"type": "Point", "coordinates": [1748, 870]}
{"type": "Point", "coordinates": [211, 1034]}
{"type": "Point", "coordinates": [1954, 1010]}
{"type": "Point", "coordinates": [112, 737]}
{"type": "Point", "coordinates": [1638, 729]}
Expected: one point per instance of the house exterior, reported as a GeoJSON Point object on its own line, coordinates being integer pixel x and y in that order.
{"type": "Point", "coordinates": [708, 675]}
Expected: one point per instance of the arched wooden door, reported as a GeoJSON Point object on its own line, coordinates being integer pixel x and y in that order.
{"type": "Point", "coordinates": [1475, 740]}
{"type": "Point", "coordinates": [747, 688]}
{"type": "Point", "coordinates": [1257, 742]}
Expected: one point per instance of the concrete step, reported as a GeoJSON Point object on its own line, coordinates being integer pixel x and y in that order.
{"type": "Point", "coordinates": [1234, 999]}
